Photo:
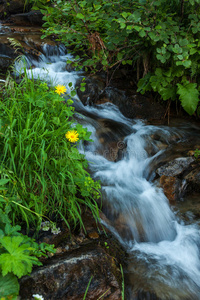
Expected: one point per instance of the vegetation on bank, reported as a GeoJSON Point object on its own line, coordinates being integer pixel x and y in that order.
{"type": "Point", "coordinates": [42, 174]}
{"type": "Point", "coordinates": [159, 39]}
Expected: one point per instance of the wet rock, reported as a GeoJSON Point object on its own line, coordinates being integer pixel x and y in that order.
{"type": "Point", "coordinates": [5, 62]}
{"type": "Point", "coordinates": [193, 178]}
{"type": "Point", "coordinates": [93, 89]}
{"type": "Point", "coordinates": [24, 19]}
{"type": "Point", "coordinates": [171, 187]}
{"type": "Point", "coordinates": [132, 106]}
{"type": "Point", "coordinates": [27, 40]}
{"type": "Point", "coordinates": [175, 167]}
{"type": "Point", "coordinates": [189, 208]}
{"type": "Point", "coordinates": [67, 277]}
{"type": "Point", "coordinates": [11, 7]}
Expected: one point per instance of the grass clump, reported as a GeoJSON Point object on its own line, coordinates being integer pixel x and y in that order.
{"type": "Point", "coordinates": [47, 174]}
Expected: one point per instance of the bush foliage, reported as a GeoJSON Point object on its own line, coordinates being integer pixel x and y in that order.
{"type": "Point", "coordinates": [158, 38]}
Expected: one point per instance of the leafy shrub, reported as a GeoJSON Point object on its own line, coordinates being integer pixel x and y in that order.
{"type": "Point", "coordinates": [161, 38]}
{"type": "Point", "coordinates": [18, 252]}
{"type": "Point", "coordinates": [47, 174]}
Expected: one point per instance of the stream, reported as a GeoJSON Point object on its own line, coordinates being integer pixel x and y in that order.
{"type": "Point", "coordinates": [163, 252]}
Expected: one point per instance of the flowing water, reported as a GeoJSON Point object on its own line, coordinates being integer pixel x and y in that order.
{"type": "Point", "coordinates": [163, 253]}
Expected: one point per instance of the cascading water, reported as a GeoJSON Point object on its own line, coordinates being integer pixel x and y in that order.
{"type": "Point", "coordinates": [164, 255]}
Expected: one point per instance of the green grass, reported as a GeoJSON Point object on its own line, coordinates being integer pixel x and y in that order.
{"type": "Point", "coordinates": [47, 173]}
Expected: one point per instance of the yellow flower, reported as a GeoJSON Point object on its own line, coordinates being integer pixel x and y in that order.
{"type": "Point", "coordinates": [72, 136]}
{"type": "Point", "coordinates": [60, 89]}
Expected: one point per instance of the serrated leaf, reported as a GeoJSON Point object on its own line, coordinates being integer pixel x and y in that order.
{"type": "Point", "coordinates": [168, 93]}
{"type": "Point", "coordinates": [189, 96]}
{"type": "Point", "coordinates": [16, 259]}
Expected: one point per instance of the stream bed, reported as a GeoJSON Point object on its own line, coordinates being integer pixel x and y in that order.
{"type": "Point", "coordinates": [163, 252]}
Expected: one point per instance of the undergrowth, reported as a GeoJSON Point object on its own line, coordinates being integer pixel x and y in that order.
{"type": "Point", "coordinates": [42, 174]}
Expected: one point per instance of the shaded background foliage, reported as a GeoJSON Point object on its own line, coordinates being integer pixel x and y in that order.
{"type": "Point", "coordinates": [159, 39]}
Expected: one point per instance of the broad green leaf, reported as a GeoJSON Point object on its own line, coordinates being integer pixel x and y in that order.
{"type": "Point", "coordinates": [180, 57]}
{"type": "Point", "coordinates": [17, 259]}
{"type": "Point", "coordinates": [142, 33]}
{"type": "Point", "coordinates": [80, 16]}
{"type": "Point", "coordinates": [4, 181]}
{"type": "Point", "coordinates": [183, 42]}
{"type": "Point", "coordinates": [187, 63]}
{"type": "Point", "coordinates": [193, 51]}
{"type": "Point", "coordinates": [189, 96]}
{"type": "Point", "coordinates": [124, 15]}
{"type": "Point", "coordinates": [73, 93]}
{"type": "Point", "coordinates": [168, 93]}
{"type": "Point", "coordinates": [122, 25]}
{"type": "Point", "coordinates": [9, 285]}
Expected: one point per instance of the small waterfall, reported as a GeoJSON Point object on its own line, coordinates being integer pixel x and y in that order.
{"type": "Point", "coordinates": [51, 66]}
{"type": "Point", "coordinates": [164, 256]}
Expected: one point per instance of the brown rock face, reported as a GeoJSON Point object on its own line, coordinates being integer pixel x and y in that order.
{"type": "Point", "coordinates": [67, 277]}
{"type": "Point", "coordinates": [171, 186]}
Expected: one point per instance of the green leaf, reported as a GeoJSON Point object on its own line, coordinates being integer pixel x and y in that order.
{"type": "Point", "coordinates": [9, 285]}
{"type": "Point", "coordinates": [168, 93]}
{"type": "Point", "coordinates": [80, 16]}
{"type": "Point", "coordinates": [56, 121]}
{"type": "Point", "coordinates": [187, 63]}
{"type": "Point", "coordinates": [189, 96]}
{"type": "Point", "coordinates": [4, 181]}
{"type": "Point", "coordinates": [193, 51]}
{"type": "Point", "coordinates": [161, 58]}
{"type": "Point", "coordinates": [142, 33]}
{"type": "Point", "coordinates": [124, 15]}
{"type": "Point", "coordinates": [122, 25]}
{"type": "Point", "coordinates": [17, 259]}
{"type": "Point", "coordinates": [183, 42]}
{"type": "Point", "coordinates": [73, 93]}
{"type": "Point", "coordinates": [180, 57]}
{"type": "Point", "coordinates": [74, 153]}
{"type": "Point", "coordinates": [82, 89]}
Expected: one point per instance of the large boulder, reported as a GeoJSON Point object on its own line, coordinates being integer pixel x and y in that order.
{"type": "Point", "coordinates": [68, 276]}
{"type": "Point", "coordinates": [87, 258]}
